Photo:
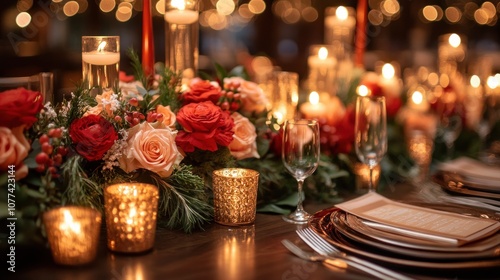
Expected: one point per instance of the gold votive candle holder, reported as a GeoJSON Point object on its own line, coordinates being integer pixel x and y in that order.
{"type": "Point", "coordinates": [73, 234]}
{"type": "Point", "coordinates": [235, 196]}
{"type": "Point", "coordinates": [131, 210]}
{"type": "Point", "coordinates": [362, 173]}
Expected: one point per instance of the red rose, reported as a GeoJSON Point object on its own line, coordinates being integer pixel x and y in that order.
{"type": "Point", "coordinates": [205, 126]}
{"type": "Point", "coordinates": [277, 143]}
{"type": "Point", "coordinates": [92, 136]}
{"type": "Point", "coordinates": [19, 107]}
{"type": "Point", "coordinates": [200, 91]}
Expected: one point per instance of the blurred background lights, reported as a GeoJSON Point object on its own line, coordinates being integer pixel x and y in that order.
{"type": "Point", "coordinates": [107, 5]}
{"type": "Point", "coordinates": [71, 8]}
{"type": "Point", "coordinates": [23, 19]}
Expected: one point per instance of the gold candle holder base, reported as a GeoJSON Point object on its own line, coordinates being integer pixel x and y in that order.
{"type": "Point", "coordinates": [73, 234]}
{"type": "Point", "coordinates": [131, 210]}
{"type": "Point", "coordinates": [235, 196]}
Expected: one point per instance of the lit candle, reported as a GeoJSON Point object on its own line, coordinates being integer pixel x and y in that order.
{"type": "Point", "coordinates": [341, 19]}
{"type": "Point", "coordinates": [180, 14]}
{"type": "Point", "coordinates": [235, 195]}
{"type": "Point", "coordinates": [474, 101]}
{"type": "Point", "coordinates": [391, 85]}
{"type": "Point", "coordinates": [362, 90]}
{"type": "Point", "coordinates": [321, 60]}
{"type": "Point", "coordinates": [313, 109]}
{"type": "Point", "coordinates": [101, 57]}
{"type": "Point", "coordinates": [418, 102]}
{"type": "Point", "coordinates": [131, 211]}
{"type": "Point", "coordinates": [73, 234]}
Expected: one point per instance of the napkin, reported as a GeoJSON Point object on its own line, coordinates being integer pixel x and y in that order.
{"type": "Point", "coordinates": [419, 222]}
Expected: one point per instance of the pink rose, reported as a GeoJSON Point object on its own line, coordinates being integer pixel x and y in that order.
{"type": "Point", "coordinates": [253, 98]}
{"type": "Point", "coordinates": [14, 149]}
{"type": "Point", "coordinates": [152, 147]}
{"type": "Point", "coordinates": [243, 144]}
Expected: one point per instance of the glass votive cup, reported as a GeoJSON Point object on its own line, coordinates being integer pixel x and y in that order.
{"type": "Point", "coordinates": [100, 62]}
{"type": "Point", "coordinates": [131, 210]}
{"type": "Point", "coordinates": [73, 234]}
{"type": "Point", "coordinates": [235, 196]}
{"type": "Point", "coordinates": [362, 173]}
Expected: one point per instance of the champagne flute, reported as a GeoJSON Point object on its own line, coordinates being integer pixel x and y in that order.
{"type": "Point", "coordinates": [370, 130]}
{"type": "Point", "coordinates": [450, 126]}
{"type": "Point", "coordinates": [301, 158]}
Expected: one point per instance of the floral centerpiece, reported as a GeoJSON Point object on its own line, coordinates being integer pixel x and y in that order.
{"type": "Point", "coordinates": [151, 130]}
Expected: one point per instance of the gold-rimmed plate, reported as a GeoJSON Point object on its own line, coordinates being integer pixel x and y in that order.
{"type": "Point", "coordinates": [321, 223]}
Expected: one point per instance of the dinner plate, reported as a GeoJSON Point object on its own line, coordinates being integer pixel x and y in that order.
{"type": "Point", "coordinates": [454, 187]}
{"type": "Point", "coordinates": [353, 229]}
{"type": "Point", "coordinates": [472, 168]}
{"type": "Point", "coordinates": [320, 222]}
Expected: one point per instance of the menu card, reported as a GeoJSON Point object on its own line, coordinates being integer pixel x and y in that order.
{"type": "Point", "coordinates": [419, 222]}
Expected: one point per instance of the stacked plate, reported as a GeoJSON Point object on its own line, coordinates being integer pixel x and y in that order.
{"type": "Point", "coordinates": [355, 235]}
{"type": "Point", "coordinates": [469, 177]}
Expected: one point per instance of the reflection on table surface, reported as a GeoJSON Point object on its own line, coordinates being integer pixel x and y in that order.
{"type": "Point", "coordinates": [217, 252]}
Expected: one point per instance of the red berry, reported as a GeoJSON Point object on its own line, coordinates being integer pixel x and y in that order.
{"type": "Point", "coordinates": [47, 148]}
{"type": "Point", "coordinates": [62, 150]}
{"type": "Point", "coordinates": [40, 168]}
{"type": "Point", "coordinates": [57, 159]}
{"type": "Point", "coordinates": [224, 105]}
{"type": "Point", "coordinates": [55, 133]}
{"type": "Point", "coordinates": [133, 102]}
{"type": "Point", "coordinates": [41, 158]}
{"type": "Point", "coordinates": [43, 139]}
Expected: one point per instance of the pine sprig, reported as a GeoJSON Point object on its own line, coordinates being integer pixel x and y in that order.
{"type": "Point", "coordinates": [183, 202]}
{"type": "Point", "coordinates": [136, 64]}
{"type": "Point", "coordinates": [80, 189]}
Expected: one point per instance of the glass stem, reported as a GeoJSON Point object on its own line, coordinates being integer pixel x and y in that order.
{"type": "Point", "coordinates": [370, 186]}
{"type": "Point", "coordinates": [301, 195]}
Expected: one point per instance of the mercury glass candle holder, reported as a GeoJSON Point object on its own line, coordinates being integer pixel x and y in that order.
{"type": "Point", "coordinates": [420, 146]}
{"type": "Point", "coordinates": [235, 196]}
{"type": "Point", "coordinates": [362, 173]}
{"type": "Point", "coordinates": [73, 234]}
{"type": "Point", "coordinates": [131, 210]}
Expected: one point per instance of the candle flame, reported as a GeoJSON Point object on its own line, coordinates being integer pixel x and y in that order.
{"type": "Point", "coordinates": [475, 81]}
{"type": "Point", "coordinates": [417, 97]}
{"type": "Point", "coordinates": [492, 82]}
{"type": "Point", "coordinates": [341, 13]}
{"type": "Point", "coordinates": [363, 90]}
{"type": "Point", "coordinates": [179, 4]}
{"type": "Point", "coordinates": [101, 46]}
{"type": "Point", "coordinates": [388, 71]}
{"type": "Point", "coordinates": [314, 97]}
{"type": "Point", "coordinates": [278, 116]}
{"type": "Point", "coordinates": [323, 53]}
{"type": "Point", "coordinates": [69, 223]}
{"type": "Point", "coordinates": [454, 40]}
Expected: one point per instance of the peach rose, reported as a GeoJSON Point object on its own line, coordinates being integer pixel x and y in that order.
{"type": "Point", "coordinates": [253, 98]}
{"type": "Point", "coordinates": [14, 149]}
{"type": "Point", "coordinates": [152, 147]}
{"type": "Point", "coordinates": [107, 102]}
{"type": "Point", "coordinates": [243, 144]}
{"type": "Point", "coordinates": [168, 116]}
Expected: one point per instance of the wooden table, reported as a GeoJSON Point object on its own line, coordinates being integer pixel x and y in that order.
{"type": "Point", "coordinates": [218, 252]}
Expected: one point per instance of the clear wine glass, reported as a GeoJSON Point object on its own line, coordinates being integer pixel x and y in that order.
{"type": "Point", "coordinates": [450, 126]}
{"type": "Point", "coordinates": [370, 130]}
{"type": "Point", "coordinates": [301, 158]}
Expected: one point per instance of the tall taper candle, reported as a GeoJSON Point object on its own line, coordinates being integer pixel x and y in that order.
{"type": "Point", "coordinates": [360, 42]}
{"type": "Point", "coordinates": [148, 50]}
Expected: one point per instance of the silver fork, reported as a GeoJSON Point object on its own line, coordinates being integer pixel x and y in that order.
{"type": "Point", "coordinates": [321, 246]}
{"type": "Point", "coordinates": [338, 262]}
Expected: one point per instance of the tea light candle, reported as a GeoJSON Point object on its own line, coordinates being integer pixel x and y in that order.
{"type": "Point", "coordinates": [131, 211]}
{"type": "Point", "coordinates": [313, 109]}
{"type": "Point", "coordinates": [235, 196]}
{"type": "Point", "coordinates": [73, 234]}
{"type": "Point", "coordinates": [321, 60]}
